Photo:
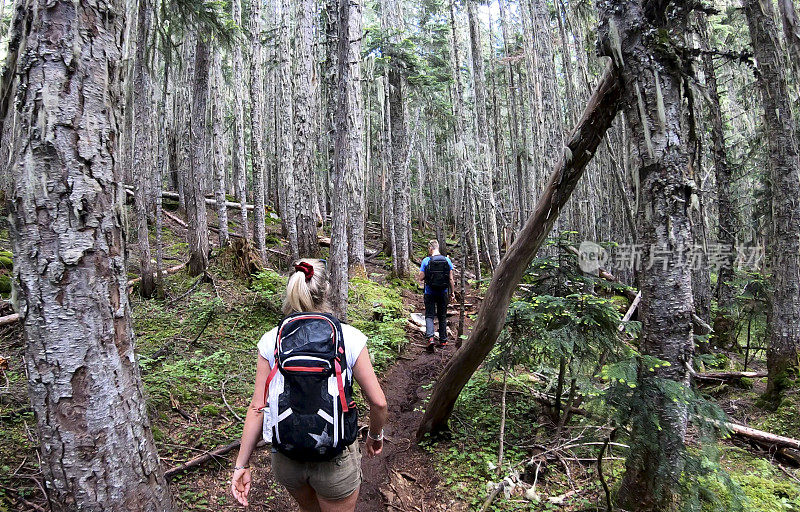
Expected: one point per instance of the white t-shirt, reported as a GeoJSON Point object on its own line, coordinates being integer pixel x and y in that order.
{"type": "Point", "coordinates": [354, 342]}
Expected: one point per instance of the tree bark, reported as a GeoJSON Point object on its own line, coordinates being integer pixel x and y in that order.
{"type": "Point", "coordinates": [256, 126]}
{"type": "Point", "coordinates": [600, 112]}
{"type": "Point", "coordinates": [652, 102]}
{"type": "Point", "coordinates": [239, 158]}
{"type": "Point", "coordinates": [347, 145]}
{"type": "Point", "coordinates": [142, 150]}
{"type": "Point", "coordinates": [784, 320]}
{"type": "Point", "coordinates": [350, 63]}
{"type": "Point", "coordinates": [484, 151]}
{"type": "Point", "coordinates": [195, 198]}
{"type": "Point", "coordinates": [303, 132]}
{"type": "Point", "coordinates": [726, 204]}
{"type": "Point", "coordinates": [218, 123]}
{"type": "Point", "coordinates": [67, 232]}
{"type": "Point", "coordinates": [286, 182]}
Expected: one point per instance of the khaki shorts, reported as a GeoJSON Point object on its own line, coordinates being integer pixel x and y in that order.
{"type": "Point", "coordinates": [333, 480]}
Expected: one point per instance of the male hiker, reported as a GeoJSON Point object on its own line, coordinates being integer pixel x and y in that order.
{"type": "Point", "coordinates": [436, 272]}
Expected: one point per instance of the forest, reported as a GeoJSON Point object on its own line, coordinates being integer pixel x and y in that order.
{"type": "Point", "coordinates": [616, 183]}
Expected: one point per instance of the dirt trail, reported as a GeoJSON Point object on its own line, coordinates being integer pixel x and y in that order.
{"type": "Point", "coordinates": [403, 477]}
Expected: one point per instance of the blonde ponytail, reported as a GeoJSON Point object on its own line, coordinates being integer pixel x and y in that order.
{"type": "Point", "coordinates": [304, 293]}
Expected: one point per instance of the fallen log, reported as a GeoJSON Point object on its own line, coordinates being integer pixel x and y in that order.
{"type": "Point", "coordinates": [324, 241]}
{"type": "Point", "coordinates": [417, 321]}
{"type": "Point", "coordinates": [765, 439]}
{"type": "Point", "coordinates": [174, 195]}
{"type": "Point", "coordinates": [723, 376]}
{"type": "Point", "coordinates": [9, 319]}
{"type": "Point", "coordinates": [169, 271]}
{"type": "Point", "coordinates": [202, 459]}
{"type": "Point", "coordinates": [175, 219]}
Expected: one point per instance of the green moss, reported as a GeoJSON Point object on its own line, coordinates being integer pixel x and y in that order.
{"type": "Point", "coordinates": [758, 485]}
{"type": "Point", "coordinates": [5, 283]}
{"type": "Point", "coordinates": [210, 410]}
{"type": "Point", "coordinates": [377, 310]}
{"type": "Point", "coordinates": [6, 260]}
{"type": "Point", "coordinates": [784, 419]}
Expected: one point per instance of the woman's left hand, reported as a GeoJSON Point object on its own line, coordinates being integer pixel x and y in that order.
{"type": "Point", "coordinates": [373, 447]}
{"type": "Point", "coordinates": [240, 485]}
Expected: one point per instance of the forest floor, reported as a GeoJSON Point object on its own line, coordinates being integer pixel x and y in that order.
{"type": "Point", "coordinates": [196, 348]}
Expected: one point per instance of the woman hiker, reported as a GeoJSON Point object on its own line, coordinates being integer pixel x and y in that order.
{"type": "Point", "coordinates": [303, 400]}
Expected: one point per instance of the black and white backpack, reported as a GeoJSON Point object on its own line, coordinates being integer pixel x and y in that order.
{"type": "Point", "coordinates": [309, 413]}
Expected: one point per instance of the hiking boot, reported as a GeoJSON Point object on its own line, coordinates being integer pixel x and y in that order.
{"type": "Point", "coordinates": [431, 345]}
{"type": "Point", "coordinates": [442, 344]}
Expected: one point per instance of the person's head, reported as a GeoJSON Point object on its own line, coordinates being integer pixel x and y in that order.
{"type": "Point", "coordinates": [307, 289]}
{"type": "Point", "coordinates": [433, 247]}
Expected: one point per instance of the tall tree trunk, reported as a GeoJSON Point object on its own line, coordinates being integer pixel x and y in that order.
{"type": "Point", "coordinates": [69, 248]}
{"type": "Point", "coordinates": [239, 158]}
{"type": "Point", "coordinates": [142, 150]}
{"type": "Point", "coordinates": [217, 126]}
{"type": "Point", "coordinates": [392, 20]}
{"type": "Point", "coordinates": [726, 204]}
{"type": "Point", "coordinates": [162, 169]}
{"type": "Point", "coordinates": [354, 177]}
{"type": "Point", "coordinates": [462, 157]}
{"type": "Point", "coordinates": [308, 245]}
{"type": "Point", "coordinates": [287, 191]}
{"type": "Point", "coordinates": [784, 321]}
{"type": "Point", "coordinates": [195, 196]}
{"type": "Point", "coordinates": [517, 147]}
{"type": "Point", "coordinates": [652, 102]}
{"type": "Point", "coordinates": [484, 150]}
{"type": "Point", "coordinates": [791, 31]}
{"type": "Point", "coordinates": [582, 144]}
{"type": "Point", "coordinates": [347, 147]}
{"type": "Point", "coordinates": [256, 126]}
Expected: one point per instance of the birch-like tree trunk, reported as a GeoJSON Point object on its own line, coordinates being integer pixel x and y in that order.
{"type": "Point", "coordinates": [286, 181]}
{"type": "Point", "coordinates": [67, 206]}
{"type": "Point", "coordinates": [142, 150]}
{"type": "Point", "coordinates": [347, 145]}
{"type": "Point", "coordinates": [218, 146]}
{"type": "Point", "coordinates": [350, 51]}
{"type": "Point", "coordinates": [256, 125]}
{"type": "Point", "coordinates": [239, 158]}
{"type": "Point", "coordinates": [784, 159]}
{"type": "Point", "coordinates": [195, 196]}
{"type": "Point", "coordinates": [652, 102]}
{"type": "Point", "coordinates": [484, 150]}
{"type": "Point", "coordinates": [308, 245]}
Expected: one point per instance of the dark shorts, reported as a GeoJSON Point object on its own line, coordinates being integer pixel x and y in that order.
{"type": "Point", "coordinates": [333, 480]}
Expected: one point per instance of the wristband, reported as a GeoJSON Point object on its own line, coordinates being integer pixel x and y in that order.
{"type": "Point", "coordinates": [235, 468]}
{"type": "Point", "coordinates": [379, 437]}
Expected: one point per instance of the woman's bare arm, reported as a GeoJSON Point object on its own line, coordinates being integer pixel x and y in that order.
{"type": "Point", "coordinates": [378, 410]}
{"type": "Point", "coordinates": [240, 483]}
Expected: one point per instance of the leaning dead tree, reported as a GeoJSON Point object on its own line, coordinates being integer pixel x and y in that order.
{"type": "Point", "coordinates": [600, 111]}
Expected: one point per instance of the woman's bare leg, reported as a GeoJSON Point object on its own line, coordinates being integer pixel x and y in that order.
{"type": "Point", "coordinates": [307, 498]}
{"type": "Point", "coordinates": [347, 504]}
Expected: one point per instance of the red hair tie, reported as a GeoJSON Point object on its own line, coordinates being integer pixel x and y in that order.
{"type": "Point", "coordinates": [305, 268]}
